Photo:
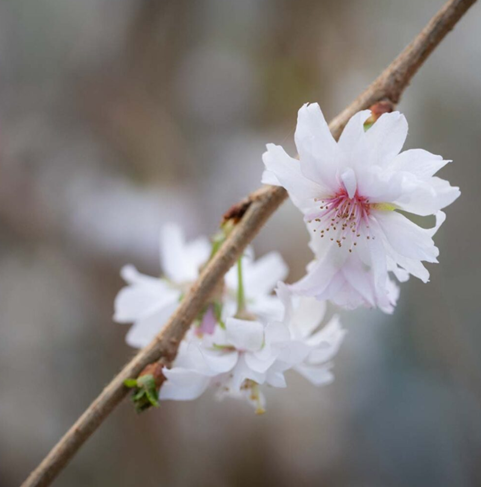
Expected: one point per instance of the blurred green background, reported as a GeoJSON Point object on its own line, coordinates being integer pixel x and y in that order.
{"type": "Point", "coordinates": [117, 116]}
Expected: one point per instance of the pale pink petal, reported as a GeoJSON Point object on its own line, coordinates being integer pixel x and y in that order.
{"type": "Point", "coordinates": [135, 302]}
{"type": "Point", "coordinates": [275, 378]}
{"type": "Point", "coordinates": [244, 335]}
{"type": "Point", "coordinates": [262, 275]}
{"type": "Point", "coordinates": [308, 315]}
{"type": "Point", "coordinates": [210, 362]}
{"type": "Point", "coordinates": [208, 323]}
{"type": "Point", "coordinates": [181, 261]}
{"type": "Point", "coordinates": [242, 372]}
{"type": "Point", "coordinates": [317, 375]}
{"type": "Point", "coordinates": [183, 385]}
{"type": "Point", "coordinates": [143, 331]}
{"type": "Point", "coordinates": [326, 342]}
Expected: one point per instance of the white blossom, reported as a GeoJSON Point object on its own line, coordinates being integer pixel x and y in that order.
{"type": "Point", "coordinates": [303, 316]}
{"type": "Point", "coordinates": [148, 302]}
{"type": "Point", "coordinates": [245, 355]}
{"type": "Point", "coordinates": [351, 193]}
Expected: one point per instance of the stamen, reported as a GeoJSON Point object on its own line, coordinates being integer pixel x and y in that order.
{"type": "Point", "coordinates": [345, 217]}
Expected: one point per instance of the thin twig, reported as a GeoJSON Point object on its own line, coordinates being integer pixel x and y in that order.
{"type": "Point", "coordinates": [252, 216]}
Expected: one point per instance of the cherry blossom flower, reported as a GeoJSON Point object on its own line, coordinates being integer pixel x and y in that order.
{"type": "Point", "coordinates": [352, 193]}
{"type": "Point", "coordinates": [148, 302]}
{"type": "Point", "coordinates": [235, 360]}
{"type": "Point", "coordinates": [245, 355]}
{"type": "Point", "coordinates": [303, 316]}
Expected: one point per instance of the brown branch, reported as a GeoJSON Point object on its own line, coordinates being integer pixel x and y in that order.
{"type": "Point", "coordinates": [252, 213]}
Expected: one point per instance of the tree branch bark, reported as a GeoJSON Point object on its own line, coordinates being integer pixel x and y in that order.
{"type": "Point", "coordinates": [255, 211]}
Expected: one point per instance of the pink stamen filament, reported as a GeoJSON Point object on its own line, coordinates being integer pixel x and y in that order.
{"type": "Point", "coordinates": [343, 216]}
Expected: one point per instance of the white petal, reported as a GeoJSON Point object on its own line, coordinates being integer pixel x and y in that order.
{"type": "Point", "coordinates": [262, 275]}
{"type": "Point", "coordinates": [276, 333]}
{"type": "Point", "coordinates": [326, 342]}
{"type": "Point", "coordinates": [132, 276]}
{"type": "Point", "coordinates": [419, 162]}
{"type": "Point", "coordinates": [353, 132]}
{"type": "Point", "coordinates": [317, 375]}
{"type": "Point", "coordinates": [445, 193]}
{"type": "Point", "coordinates": [331, 333]}
{"type": "Point", "coordinates": [143, 331]}
{"type": "Point", "coordinates": [231, 278]}
{"type": "Point", "coordinates": [427, 197]}
{"type": "Point", "coordinates": [245, 335]}
{"type": "Point", "coordinates": [340, 292]}
{"type": "Point", "coordinates": [393, 293]}
{"type": "Point", "coordinates": [378, 261]}
{"type": "Point", "coordinates": [386, 137]}
{"type": "Point", "coordinates": [183, 385]}
{"type": "Point", "coordinates": [276, 378]}
{"type": "Point", "coordinates": [349, 179]}
{"type": "Point", "coordinates": [284, 295]}
{"type": "Point", "coordinates": [440, 219]}
{"type": "Point", "coordinates": [242, 372]}
{"type": "Point", "coordinates": [321, 274]}
{"type": "Point", "coordinates": [198, 252]}
{"type": "Point", "coordinates": [345, 281]}
{"type": "Point", "coordinates": [288, 172]}
{"type": "Point", "coordinates": [294, 352]}
{"type": "Point", "coordinates": [405, 237]}
{"type": "Point", "coordinates": [140, 300]}
{"type": "Point", "coordinates": [401, 274]}
{"type": "Point", "coordinates": [317, 148]}
{"type": "Point", "coordinates": [308, 315]}
{"type": "Point", "coordinates": [259, 362]}
{"type": "Point", "coordinates": [380, 184]}
{"type": "Point", "coordinates": [360, 278]}
{"type": "Point", "coordinates": [311, 125]}
{"type": "Point", "coordinates": [266, 307]}
{"type": "Point", "coordinates": [268, 177]}
{"type": "Point", "coordinates": [209, 362]}
{"type": "Point", "coordinates": [220, 362]}
{"type": "Point", "coordinates": [131, 302]}
{"type": "Point", "coordinates": [353, 149]}
{"type": "Point", "coordinates": [180, 261]}
{"type": "Point", "coordinates": [413, 266]}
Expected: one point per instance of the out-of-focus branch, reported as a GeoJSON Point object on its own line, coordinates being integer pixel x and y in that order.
{"type": "Point", "coordinates": [394, 80]}
{"type": "Point", "coordinates": [251, 214]}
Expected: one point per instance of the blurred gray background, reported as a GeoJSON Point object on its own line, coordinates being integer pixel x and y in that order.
{"type": "Point", "coordinates": [119, 115]}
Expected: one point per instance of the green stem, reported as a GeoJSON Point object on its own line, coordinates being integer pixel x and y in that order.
{"type": "Point", "coordinates": [219, 238]}
{"type": "Point", "coordinates": [217, 242]}
{"type": "Point", "coordinates": [241, 300]}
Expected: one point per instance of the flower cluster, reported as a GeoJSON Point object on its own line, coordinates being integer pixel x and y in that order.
{"type": "Point", "coordinates": [245, 354]}
{"type": "Point", "coordinates": [245, 337]}
{"type": "Point", "coordinates": [352, 193]}
{"type": "Point", "coordinates": [148, 302]}
{"type": "Point", "coordinates": [356, 195]}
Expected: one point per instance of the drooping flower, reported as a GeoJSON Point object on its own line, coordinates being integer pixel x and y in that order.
{"type": "Point", "coordinates": [235, 359]}
{"type": "Point", "coordinates": [352, 193]}
{"type": "Point", "coordinates": [148, 302]}
{"type": "Point", "coordinates": [303, 318]}
{"type": "Point", "coordinates": [246, 355]}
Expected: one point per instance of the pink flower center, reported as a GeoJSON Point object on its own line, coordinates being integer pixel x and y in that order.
{"type": "Point", "coordinates": [341, 218]}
